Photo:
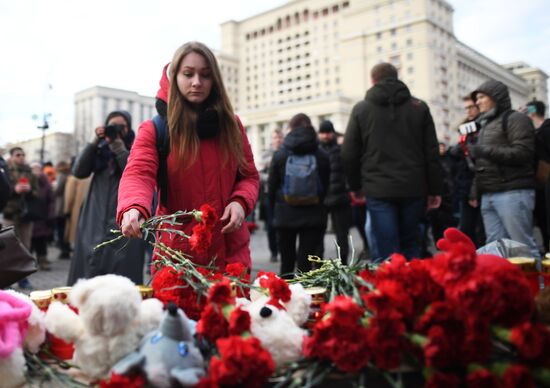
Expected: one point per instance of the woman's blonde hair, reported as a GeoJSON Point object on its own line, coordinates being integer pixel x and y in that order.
{"type": "Point", "coordinates": [182, 116]}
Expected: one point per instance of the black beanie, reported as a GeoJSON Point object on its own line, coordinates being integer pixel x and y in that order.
{"type": "Point", "coordinates": [326, 127]}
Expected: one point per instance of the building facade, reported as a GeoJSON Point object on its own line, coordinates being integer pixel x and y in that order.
{"type": "Point", "coordinates": [92, 106]}
{"type": "Point", "coordinates": [58, 146]}
{"type": "Point", "coordinates": [315, 56]}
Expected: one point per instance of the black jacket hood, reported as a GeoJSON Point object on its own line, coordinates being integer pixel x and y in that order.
{"type": "Point", "coordinates": [301, 140]}
{"type": "Point", "coordinates": [497, 91]}
{"type": "Point", "coordinates": [389, 91]}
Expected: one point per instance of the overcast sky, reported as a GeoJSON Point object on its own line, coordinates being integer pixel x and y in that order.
{"type": "Point", "coordinates": [52, 49]}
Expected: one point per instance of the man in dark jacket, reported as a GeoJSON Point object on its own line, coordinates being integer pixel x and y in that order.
{"type": "Point", "coordinates": [390, 151]}
{"type": "Point", "coordinates": [5, 187]}
{"type": "Point", "coordinates": [308, 222]}
{"type": "Point", "coordinates": [337, 199]}
{"type": "Point", "coordinates": [536, 111]}
{"type": "Point", "coordinates": [505, 174]}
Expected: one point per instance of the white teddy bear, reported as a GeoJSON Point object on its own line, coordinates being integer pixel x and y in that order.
{"type": "Point", "coordinates": [279, 330]}
{"type": "Point", "coordinates": [111, 321]}
{"type": "Point", "coordinates": [12, 369]}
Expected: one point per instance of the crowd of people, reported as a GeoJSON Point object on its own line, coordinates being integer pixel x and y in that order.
{"type": "Point", "coordinates": [387, 175]}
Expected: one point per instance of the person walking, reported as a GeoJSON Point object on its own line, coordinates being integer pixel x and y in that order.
{"type": "Point", "coordinates": [337, 199]}
{"type": "Point", "coordinates": [209, 161]}
{"type": "Point", "coordinates": [302, 217]}
{"type": "Point", "coordinates": [105, 156]}
{"type": "Point", "coordinates": [390, 153]}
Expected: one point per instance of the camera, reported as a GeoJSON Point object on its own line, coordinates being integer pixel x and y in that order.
{"type": "Point", "coordinates": [112, 131]}
{"type": "Point", "coordinates": [469, 127]}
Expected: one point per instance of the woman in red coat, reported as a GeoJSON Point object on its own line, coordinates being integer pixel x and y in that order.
{"type": "Point", "coordinates": [210, 160]}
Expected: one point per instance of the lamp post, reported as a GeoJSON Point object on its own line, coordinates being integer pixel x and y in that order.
{"type": "Point", "coordinates": [43, 128]}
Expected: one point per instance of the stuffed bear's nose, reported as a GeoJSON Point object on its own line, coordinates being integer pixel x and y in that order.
{"type": "Point", "coordinates": [265, 312]}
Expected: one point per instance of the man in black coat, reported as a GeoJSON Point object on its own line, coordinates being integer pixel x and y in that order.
{"type": "Point", "coordinates": [337, 199]}
{"type": "Point", "coordinates": [5, 187]}
{"type": "Point", "coordinates": [390, 152]}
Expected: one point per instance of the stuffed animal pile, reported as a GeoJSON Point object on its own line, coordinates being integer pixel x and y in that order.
{"type": "Point", "coordinates": [111, 320]}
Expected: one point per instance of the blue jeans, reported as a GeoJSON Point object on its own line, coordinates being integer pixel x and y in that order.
{"type": "Point", "coordinates": [395, 225]}
{"type": "Point", "coordinates": [509, 214]}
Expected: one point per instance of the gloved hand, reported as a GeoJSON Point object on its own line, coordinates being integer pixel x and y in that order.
{"type": "Point", "coordinates": [117, 146]}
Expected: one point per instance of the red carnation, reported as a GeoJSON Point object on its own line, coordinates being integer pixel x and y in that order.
{"type": "Point", "coordinates": [278, 289]}
{"type": "Point", "coordinates": [482, 378]}
{"type": "Point", "coordinates": [385, 340]}
{"type": "Point", "coordinates": [440, 351]}
{"type": "Point", "coordinates": [239, 321]}
{"type": "Point", "coordinates": [212, 325]}
{"type": "Point", "coordinates": [238, 270]}
{"type": "Point", "coordinates": [532, 341]}
{"type": "Point", "coordinates": [242, 362]}
{"type": "Point", "coordinates": [123, 381]}
{"type": "Point", "coordinates": [443, 380]}
{"type": "Point", "coordinates": [389, 295]}
{"type": "Point", "coordinates": [209, 216]}
{"type": "Point", "coordinates": [517, 376]}
{"type": "Point", "coordinates": [201, 239]}
{"type": "Point", "coordinates": [221, 293]}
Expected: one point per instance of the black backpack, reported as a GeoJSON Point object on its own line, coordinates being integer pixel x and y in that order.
{"type": "Point", "coordinates": [163, 149]}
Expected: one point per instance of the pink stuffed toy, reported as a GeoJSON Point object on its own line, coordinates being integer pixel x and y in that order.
{"type": "Point", "coordinates": [14, 313]}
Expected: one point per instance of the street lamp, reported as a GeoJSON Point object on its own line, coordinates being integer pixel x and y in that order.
{"type": "Point", "coordinates": [43, 127]}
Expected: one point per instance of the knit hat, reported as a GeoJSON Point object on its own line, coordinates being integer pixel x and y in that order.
{"type": "Point", "coordinates": [326, 127]}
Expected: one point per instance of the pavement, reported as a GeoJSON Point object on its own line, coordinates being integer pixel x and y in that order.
{"type": "Point", "coordinates": [57, 276]}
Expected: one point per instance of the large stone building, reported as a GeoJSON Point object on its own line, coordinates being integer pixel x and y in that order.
{"type": "Point", "coordinates": [58, 146]}
{"type": "Point", "coordinates": [92, 106]}
{"type": "Point", "coordinates": [315, 56]}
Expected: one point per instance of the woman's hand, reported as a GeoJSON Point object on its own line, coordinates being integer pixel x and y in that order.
{"type": "Point", "coordinates": [131, 221]}
{"type": "Point", "coordinates": [233, 212]}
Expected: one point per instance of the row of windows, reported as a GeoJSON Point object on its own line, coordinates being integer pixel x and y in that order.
{"type": "Point", "coordinates": [296, 19]}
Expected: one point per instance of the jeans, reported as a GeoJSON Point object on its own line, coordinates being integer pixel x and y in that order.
{"type": "Point", "coordinates": [509, 214]}
{"type": "Point", "coordinates": [395, 225]}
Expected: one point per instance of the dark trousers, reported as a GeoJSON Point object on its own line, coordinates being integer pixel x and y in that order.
{"type": "Point", "coordinates": [359, 220]}
{"type": "Point", "coordinates": [271, 232]}
{"type": "Point", "coordinates": [60, 235]}
{"type": "Point", "coordinates": [341, 221]}
{"type": "Point", "coordinates": [310, 243]}
{"type": "Point", "coordinates": [396, 225]}
{"type": "Point", "coordinates": [40, 246]}
{"type": "Point", "coordinates": [541, 215]}
{"type": "Point", "coordinates": [471, 223]}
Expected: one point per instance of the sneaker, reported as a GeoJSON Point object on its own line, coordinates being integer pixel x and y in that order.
{"type": "Point", "coordinates": [25, 284]}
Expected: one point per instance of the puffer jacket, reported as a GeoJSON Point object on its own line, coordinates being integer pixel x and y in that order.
{"type": "Point", "coordinates": [505, 160]}
{"type": "Point", "coordinates": [337, 193]}
{"type": "Point", "coordinates": [14, 207]}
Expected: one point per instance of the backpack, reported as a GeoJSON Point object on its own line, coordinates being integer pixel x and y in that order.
{"type": "Point", "coordinates": [163, 148]}
{"type": "Point", "coordinates": [301, 183]}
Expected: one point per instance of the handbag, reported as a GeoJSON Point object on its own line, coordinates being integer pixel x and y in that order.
{"type": "Point", "coordinates": [16, 262]}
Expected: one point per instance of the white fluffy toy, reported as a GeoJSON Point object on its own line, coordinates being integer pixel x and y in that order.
{"type": "Point", "coordinates": [111, 321]}
{"type": "Point", "coordinates": [21, 328]}
{"type": "Point", "coordinates": [279, 329]}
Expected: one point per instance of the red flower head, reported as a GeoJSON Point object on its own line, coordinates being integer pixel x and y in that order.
{"type": "Point", "coordinates": [239, 271]}
{"type": "Point", "coordinates": [532, 341]}
{"type": "Point", "coordinates": [123, 381]}
{"type": "Point", "coordinates": [443, 380]}
{"type": "Point", "coordinates": [208, 215]}
{"type": "Point", "coordinates": [212, 325]}
{"type": "Point", "coordinates": [482, 378]}
{"type": "Point", "coordinates": [457, 261]}
{"type": "Point", "coordinates": [389, 295]}
{"type": "Point", "coordinates": [239, 321]}
{"type": "Point", "coordinates": [517, 376]}
{"type": "Point", "coordinates": [278, 289]}
{"type": "Point", "coordinates": [221, 293]}
{"type": "Point", "coordinates": [201, 239]}
{"type": "Point", "coordinates": [385, 339]}
{"type": "Point", "coordinates": [242, 362]}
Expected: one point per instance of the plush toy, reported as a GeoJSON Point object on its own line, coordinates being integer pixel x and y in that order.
{"type": "Point", "coordinates": [279, 328]}
{"type": "Point", "coordinates": [111, 321]}
{"type": "Point", "coordinates": [167, 356]}
{"type": "Point", "coordinates": [21, 327]}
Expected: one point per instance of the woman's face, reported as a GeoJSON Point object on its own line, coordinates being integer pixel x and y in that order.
{"type": "Point", "coordinates": [484, 102]}
{"type": "Point", "coordinates": [194, 78]}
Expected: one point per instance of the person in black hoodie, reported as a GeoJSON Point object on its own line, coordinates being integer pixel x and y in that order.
{"type": "Point", "coordinates": [306, 222]}
{"type": "Point", "coordinates": [337, 200]}
{"type": "Point", "coordinates": [390, 153]}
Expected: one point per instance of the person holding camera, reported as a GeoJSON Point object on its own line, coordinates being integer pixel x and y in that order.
{"type": "Point", "coordinates": [505, 167]}
{"type": "Point", "coordinates": [105, 156]}
{"type": "Point", "coordinates": [208, 161]}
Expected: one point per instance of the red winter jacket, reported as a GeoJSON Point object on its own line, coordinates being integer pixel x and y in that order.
{"type": "Point", "coordinates": [189, 187]}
